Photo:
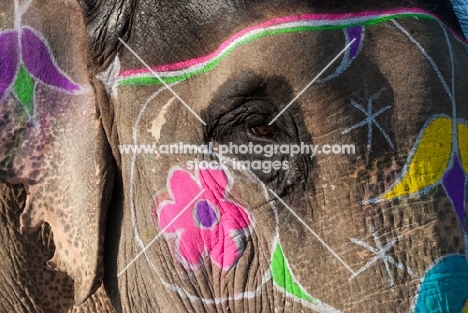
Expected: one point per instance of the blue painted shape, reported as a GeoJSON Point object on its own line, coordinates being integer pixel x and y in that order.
{"type": "Point", "coordinates": [461, 10]}
{"type": "Point", "coordinates": [444, 287]}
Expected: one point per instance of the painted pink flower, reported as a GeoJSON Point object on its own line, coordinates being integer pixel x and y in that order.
{"type": "Point", "coordinates": [212, 225]}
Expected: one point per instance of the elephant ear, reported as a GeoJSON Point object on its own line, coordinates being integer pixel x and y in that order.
{"type": "Point", "coordinates": [50, 136]}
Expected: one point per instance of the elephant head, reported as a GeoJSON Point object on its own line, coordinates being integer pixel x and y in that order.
{"type": "Point", "coordinates": [255, 157]}
{"type": "Point", "coordinates": [329, 232]}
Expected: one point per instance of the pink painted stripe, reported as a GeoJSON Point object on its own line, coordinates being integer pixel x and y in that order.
{"type": "Point", "coordinates": [277, 21]}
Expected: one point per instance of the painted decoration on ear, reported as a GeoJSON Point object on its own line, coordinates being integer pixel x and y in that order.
{"type": "Point", "coordinates": [26, 59]}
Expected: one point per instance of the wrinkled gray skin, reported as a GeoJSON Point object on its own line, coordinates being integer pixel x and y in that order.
{"type": "Point", "coordinates": [326, 192]}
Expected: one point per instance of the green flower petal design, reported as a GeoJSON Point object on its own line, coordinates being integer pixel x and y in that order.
{"type": "Point", "coordinates": [26, 62]}
{"type": "Point", "coordinates": [24, 89]}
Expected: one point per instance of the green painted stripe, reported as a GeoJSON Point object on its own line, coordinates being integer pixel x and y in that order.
{"type": "Point", "coordinates": [149, 79]}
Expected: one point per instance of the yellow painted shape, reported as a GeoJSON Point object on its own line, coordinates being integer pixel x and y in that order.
{"type": "Point", "coordinates": [465, 309]}
{"type": "Point", "coordinates": [463, 147]}
{"type": "Point", "coordinates": [430, 160]}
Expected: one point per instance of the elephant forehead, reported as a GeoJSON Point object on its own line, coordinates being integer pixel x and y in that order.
{"type": "Point", "coordinates": [288, 53]}
{"type": "Point", "coordinates": [193, 30]}
{"type": "Point", "coordinates": [184, 69]}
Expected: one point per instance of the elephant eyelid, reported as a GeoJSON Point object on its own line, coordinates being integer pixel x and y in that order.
{"type": "Point", "coordinates": [264, 131]}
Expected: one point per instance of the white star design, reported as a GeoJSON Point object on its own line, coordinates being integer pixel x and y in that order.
{"type": "Point", "coordinates": [370, 119]}
{"type": "Point", "coordinates": [381, 254]}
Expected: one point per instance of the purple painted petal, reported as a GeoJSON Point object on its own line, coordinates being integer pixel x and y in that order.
{"type": "Point", "coordinates": [38, 59]}
{"type": "Point", "coordinates": [8, 59]}
{"type": "Point", "coordinates": [354, 32]}
{"type": "Point", "coordinates": [205, 214]}
{"type": "Point", "coordinates": [455, 185]}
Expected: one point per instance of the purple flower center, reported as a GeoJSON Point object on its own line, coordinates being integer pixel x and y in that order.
{"type": "Point", "coordinates": [205, 214]}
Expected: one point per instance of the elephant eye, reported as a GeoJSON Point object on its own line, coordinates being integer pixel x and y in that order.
{"type": "Point", "coordinates": [265, 131]}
